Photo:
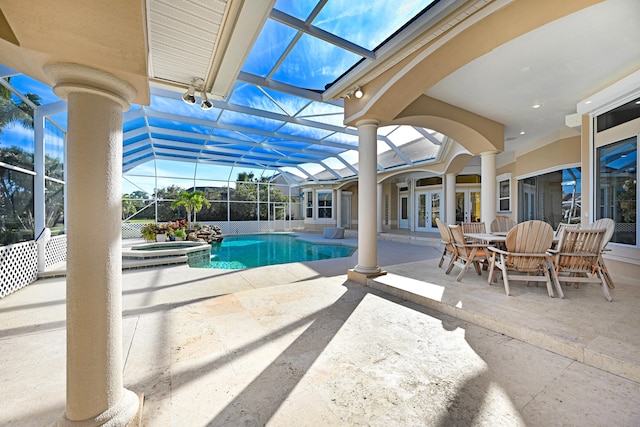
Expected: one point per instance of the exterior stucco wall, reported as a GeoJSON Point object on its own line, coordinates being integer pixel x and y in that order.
{"type": "Point", "coordinates": [552, 156]}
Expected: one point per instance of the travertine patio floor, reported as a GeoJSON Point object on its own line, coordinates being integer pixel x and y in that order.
{"type": "Point", "coordinates": [300, 345]}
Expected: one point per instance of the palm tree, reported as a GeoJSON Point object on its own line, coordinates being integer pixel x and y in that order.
{"type": "Point", "coordinates": [16, 111]}
{"type": "Point", "coordinates": [192, 202]}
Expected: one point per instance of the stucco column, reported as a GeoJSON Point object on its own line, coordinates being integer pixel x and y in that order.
{"type": "Point", "coordinates": [95, 391]}
{"type": "Point", "coordinates": [488, 187]}
{"type": "Point", "coordinates": [379, 208]}
{"type": "Point", "coordinates": [450, 198]}
{"type": "Point", "coordinates": [338, 208]}
{"type": "Point", "coordinates": [367, 191]}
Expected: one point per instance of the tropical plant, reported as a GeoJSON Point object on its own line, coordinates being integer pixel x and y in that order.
{"type": "Point", "coordinates": [192, 201]}
{"type": "Point", "coordinates": [148, 231]}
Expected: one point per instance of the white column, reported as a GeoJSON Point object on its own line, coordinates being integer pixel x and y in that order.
{"type": "Point", "coordinates": [338, 208]}
{"type": "Point", "coordinates": [450, 198]}
{"type": "Point", "coordinates": [380, 207]}
{"type": "Point", "coordinates": [488, 187]}
{"type": "Point", "coordinates": [95, 391]}
{"type": "Point", "coordinates": [367, 177]}
{"type": "Point", "coordinates": [412, 203]}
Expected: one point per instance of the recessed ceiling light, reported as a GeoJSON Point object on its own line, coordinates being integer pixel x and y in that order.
{"type": "Point", "coordinates": [638, 102]}
{"type": "Point", "coordinates": [522, 132]}
{"type": "Point", "coordinates": [536, 105]}
{"type": "Point", "coordinates": [588, 102]}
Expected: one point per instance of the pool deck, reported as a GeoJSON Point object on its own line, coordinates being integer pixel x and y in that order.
{"type": "Point", "coordinates": [299, 344]}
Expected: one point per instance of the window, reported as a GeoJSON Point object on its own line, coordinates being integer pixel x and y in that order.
{"type": "Point", "coordinates": [309, 196]}
{"type": "Point", "coordinates": [325, 204]}
{"type": "Point", "coordinates": [616, 196]}
{"type": "Point", "coordinates": [504, 193]}
{"type": "Point", "coordinates": [617, 116]}
{"type": "Point", "coordinates": [553, 197]}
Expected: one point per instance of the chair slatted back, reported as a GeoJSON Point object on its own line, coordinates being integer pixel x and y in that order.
{"type": "Point", "coordinates": [459, 240]}
{"type": "Point", "coordinates": [610, 227]}
{"type": "Point", "coordinates": [579, 250]}
{"type": "Point", "coordinates": [527, 244]}
{"type": "Point", "coordinates": [563, 226]}
{"type": "Point", "coordinates": [502, 224]}
{"type": "Point", "coordinates": [473, 227]}
{"type": "Point", "coordinates": [445, 235]}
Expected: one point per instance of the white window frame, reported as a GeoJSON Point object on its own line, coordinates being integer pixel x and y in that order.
{"type": "Point", "coordinates": [499, 180]}
{"type": "Point", "coordinates": [319, 193]}
{"type": "Point", "coordinates": [308, 204]}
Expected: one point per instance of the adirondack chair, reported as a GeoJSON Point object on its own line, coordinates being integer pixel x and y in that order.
{"type": "Point", "coordinates": [578, 256]}
{"type": "Point", "coordinates": [502, 224]}
{"type": "Point", "coordinates": [468, 253]}
{"type": "Point", "coordinates": [447, 240]}
{"type": "Point", "coordinates": [473, 227]}
{"type": "Point", "coordinates": [610, 226]}
{"type": "Point", "coordinates": [560, 232]}
{"type": "Point", "coordinates": [526, 258]}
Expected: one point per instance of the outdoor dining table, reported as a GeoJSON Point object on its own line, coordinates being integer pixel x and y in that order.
{"type": "Point", "coordinates": [487, 237]}
{"type": "Point", "coordinates": [492, 238]}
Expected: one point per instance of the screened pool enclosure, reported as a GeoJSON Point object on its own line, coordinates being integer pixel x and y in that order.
{"type": "Point", "coordinates": [278, 127]}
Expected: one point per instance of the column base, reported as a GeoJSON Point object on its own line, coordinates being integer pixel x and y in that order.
{"type": "Point", "coordinates": [361, 277]}
{"type": "Point", "coordinates": [127, 412]}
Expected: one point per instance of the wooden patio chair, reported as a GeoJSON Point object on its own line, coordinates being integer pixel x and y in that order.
{"type": "Point", "coordinates": [449, 246]}
{"type": "Point", "coordinates": [609, 225]}
{"type": "Point", "coordinates": [473, 227]}
{"type": "Point", "coordinates": [578, 256]}
{"type": "Point", "coordinates": [526, 258]}
{"type": "Point", "coordinates": [559, 232]}
{"type": "Point", "coordinates": [502, 224]}
{"type": "Point", "coordinates": [468, 253]}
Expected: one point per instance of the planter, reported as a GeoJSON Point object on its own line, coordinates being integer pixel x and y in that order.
{"type": "Point", "coordinates": [161, 237]}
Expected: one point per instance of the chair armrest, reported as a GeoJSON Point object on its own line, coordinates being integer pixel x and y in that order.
{"type": "Point", "coordinates": [494, 249]}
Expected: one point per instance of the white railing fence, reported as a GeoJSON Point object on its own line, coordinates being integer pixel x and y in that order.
{"type": "Point", "coordinates": [18, 266]}
{"type": "Point", "coordinates": [131, 230]}
{"type": "Point", "coordinates": [56, 250]}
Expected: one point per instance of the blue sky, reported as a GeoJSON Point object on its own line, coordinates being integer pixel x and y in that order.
{"type": "Point", "coordinates": [313, 63]}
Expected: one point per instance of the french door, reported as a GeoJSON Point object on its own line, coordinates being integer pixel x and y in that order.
{"type": "Point", "coordinates": [427, 210]}
{"type": "Point", "coordinates": [468, 206]}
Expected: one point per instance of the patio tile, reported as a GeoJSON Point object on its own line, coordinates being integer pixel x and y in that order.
{"type": "Point", "coordinates": [212, 348]}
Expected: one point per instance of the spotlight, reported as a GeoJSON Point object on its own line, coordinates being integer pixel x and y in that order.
{"type": "Point", "coordinates": [358, 93]}
{"type": "Point", "coordinates": [189, 96]}
{"type": "Point", "coordinates": [206, 104]}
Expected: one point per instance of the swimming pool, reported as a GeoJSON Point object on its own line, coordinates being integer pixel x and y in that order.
{"type": "Point", "coordinates": [256, 250]}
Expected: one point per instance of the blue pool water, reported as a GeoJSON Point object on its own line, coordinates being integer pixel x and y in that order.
{"type": "Point", "coordinates": [256, 250]}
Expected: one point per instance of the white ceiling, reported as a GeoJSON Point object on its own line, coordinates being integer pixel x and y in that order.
{"type": "Point", "coordinates": [556, 66]}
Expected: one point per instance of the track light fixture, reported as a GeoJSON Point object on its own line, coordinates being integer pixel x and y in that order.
{"type": "Point", "coordinates": [357, 92]}
{"type": "Point", "coordinates": [197, 84]}
{"type": "Point", "coordinates": [206, 104]}
{"type": "Point", "coordinates": [189, 96]}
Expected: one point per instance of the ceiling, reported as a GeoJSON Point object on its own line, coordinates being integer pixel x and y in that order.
{"type": "Point", "coordinates": [556, 67]}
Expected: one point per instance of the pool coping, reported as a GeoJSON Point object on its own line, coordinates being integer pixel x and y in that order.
{"type": "Point", "coordinates": [138, 251]}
